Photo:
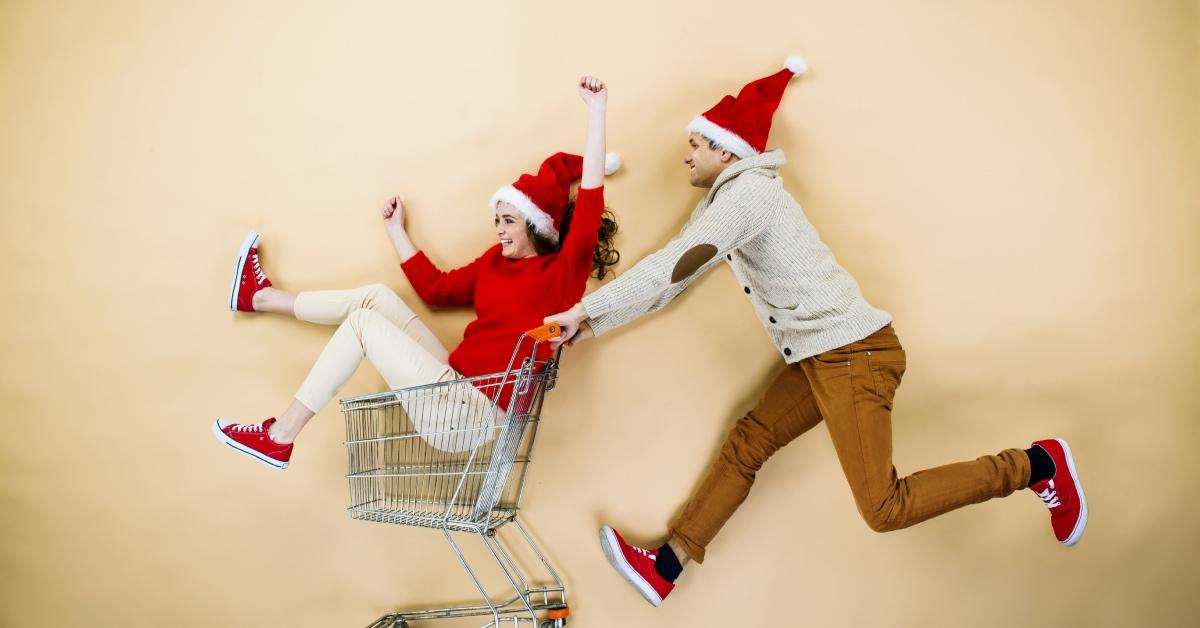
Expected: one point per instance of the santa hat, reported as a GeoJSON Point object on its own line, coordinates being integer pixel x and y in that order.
{"type": "Point", "coordinates": [741, 125]}
{"type": "Point", "coordinates": [542, 197]}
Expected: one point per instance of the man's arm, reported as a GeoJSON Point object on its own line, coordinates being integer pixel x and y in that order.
{"type": "Point", "coordinates": [658, 278]}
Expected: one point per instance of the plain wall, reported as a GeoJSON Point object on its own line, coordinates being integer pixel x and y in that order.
{"type": "Point", "coordinates": [1016, 182]}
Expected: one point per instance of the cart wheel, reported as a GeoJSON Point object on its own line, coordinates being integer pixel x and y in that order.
{"type": "Point", "coordinates": [556, 617]}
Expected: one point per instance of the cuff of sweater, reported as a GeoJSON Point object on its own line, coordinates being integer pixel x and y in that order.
{"type": "Point", "coordinates": [416, 263]}
{"type": "Point", "coordinates": [596, 305]}
{"type": "Point", "coordinates": [601, 324]}
{"type": "Point", "coordinates": [590, 198]}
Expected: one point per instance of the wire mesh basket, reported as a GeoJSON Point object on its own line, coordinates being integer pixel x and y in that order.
{"type": "Point", "coordinates": [453, 456]}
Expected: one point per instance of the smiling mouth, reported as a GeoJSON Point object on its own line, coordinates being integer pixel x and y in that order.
{"type": "Point", "coordinates": [505, 242]}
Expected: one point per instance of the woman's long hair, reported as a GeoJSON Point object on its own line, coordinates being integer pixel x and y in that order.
{"type": "Point", "coordinates": [606, 254]}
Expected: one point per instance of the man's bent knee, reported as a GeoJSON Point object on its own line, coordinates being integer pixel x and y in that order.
{"type": "Point", "coordinates": [883, 515]}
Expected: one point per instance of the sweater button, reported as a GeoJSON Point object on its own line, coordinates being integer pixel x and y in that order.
{"type": "Point", "coordinates": [787, 351]}
{"type": "Point", "coordinates": [729, 257]}
{"type": "Point", "coordinates": [772, 319]}
{"type": "Point", "coordinates": [747, 289]}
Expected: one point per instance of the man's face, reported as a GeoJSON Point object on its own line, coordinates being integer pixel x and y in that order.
{"type": "Point", "coordinates": [705, 162]}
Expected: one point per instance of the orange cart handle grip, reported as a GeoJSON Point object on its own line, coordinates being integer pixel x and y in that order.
{"type": "Point", "coordinates": [545, 332]}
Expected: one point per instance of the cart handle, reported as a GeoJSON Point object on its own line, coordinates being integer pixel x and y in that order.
{"type": "Point", "coordinates": [545, 332]}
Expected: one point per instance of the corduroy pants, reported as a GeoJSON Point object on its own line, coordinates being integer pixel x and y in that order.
{"type": "Point", "coordinates": [850, 389]}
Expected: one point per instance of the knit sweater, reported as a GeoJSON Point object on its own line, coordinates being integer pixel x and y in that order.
{"type": "Point", "coordinates": [511, 296]}
{"type": "Point", "coordinates": [807, 303]}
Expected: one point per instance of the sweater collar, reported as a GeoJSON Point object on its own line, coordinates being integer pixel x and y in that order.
{"type": "Point", "coordinates": [770, 160]}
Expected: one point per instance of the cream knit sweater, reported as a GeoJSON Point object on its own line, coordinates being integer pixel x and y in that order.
{"type": "Point", "coordinates": [807, 303]}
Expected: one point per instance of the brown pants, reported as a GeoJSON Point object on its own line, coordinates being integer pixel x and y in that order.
{"type": "Point", "coordinates": [851, 389]}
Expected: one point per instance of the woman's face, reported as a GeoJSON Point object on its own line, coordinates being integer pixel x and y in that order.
{"type": "Point", "coordinates": [513, 234]}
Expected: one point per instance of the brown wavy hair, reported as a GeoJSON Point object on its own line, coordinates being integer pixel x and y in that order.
{"type": "Point", "coordinates": [606, 254]}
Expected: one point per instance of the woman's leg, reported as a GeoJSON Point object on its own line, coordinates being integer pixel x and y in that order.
{"type": "Point", "coordinates": [398, 357]}
{"type": "Point", "coordinates": [276, 301]}
{"type": "Point", "coordinates": [331, 307]}
{"type": "Point", "coordinates": [287, 427]}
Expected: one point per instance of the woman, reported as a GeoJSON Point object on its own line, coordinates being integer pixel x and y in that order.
{"type": "Point", "coordinates": [548, 247]}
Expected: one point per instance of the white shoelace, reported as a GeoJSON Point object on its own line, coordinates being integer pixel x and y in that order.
{"type": "Point", "coordinates": [258, 271]}
{"type": "Point", "coordinates": [1050, 496]}
{"type": "Point", "coordinates": [247, 427]}
{"type": "Point", "coordinates": [645, 553]}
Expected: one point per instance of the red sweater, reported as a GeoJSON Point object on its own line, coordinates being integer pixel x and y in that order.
{"type": "Point", "coordinates": [511, 296]}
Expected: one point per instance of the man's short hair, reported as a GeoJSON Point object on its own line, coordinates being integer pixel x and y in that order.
{"type": "Point", "coordinates": [713, 144]}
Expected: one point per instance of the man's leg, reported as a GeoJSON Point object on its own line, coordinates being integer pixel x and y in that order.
{"type": "Point", "coordinates": [785, 411]}
{"type": "Point", "coordinates": [853, 387]}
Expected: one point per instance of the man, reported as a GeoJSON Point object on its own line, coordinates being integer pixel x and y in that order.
{"type": "Point", "coordinates": [843, 360]}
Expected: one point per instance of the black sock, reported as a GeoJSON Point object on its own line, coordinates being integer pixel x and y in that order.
{"type": "Point", "coordinates": [1041, 465]}
{"type": "Point", "coordinates": [667, 564]}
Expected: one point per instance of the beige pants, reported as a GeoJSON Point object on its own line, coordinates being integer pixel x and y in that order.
{"type": "Point", "coordinates": [375, 323]}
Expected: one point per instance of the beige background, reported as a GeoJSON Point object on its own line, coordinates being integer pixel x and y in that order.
{"type": "Point", "coordinates": [1014, 181]}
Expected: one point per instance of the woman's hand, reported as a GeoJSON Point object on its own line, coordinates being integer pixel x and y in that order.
{"type": "Point", "coordinates": [393, 214]}
{"type": "Point", "coordinates": [393, 221]}
{"type": "Point", "coordinates": [592, 91]}
{"type": "Point", "coordinates": [595, 95]}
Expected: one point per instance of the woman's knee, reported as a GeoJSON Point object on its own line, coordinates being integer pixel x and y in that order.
{"type": "Point", "coordinates": [377, 294]}
{"type": "Point", "coordinates": [360, 319]}
{"type": "Point", "coordinates": [383, 299]}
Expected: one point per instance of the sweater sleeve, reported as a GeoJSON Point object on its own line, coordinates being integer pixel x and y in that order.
{"type": "Point", "coordinates": [575, 257]}
{"type": "Point", "coordinates": [440, 288]}
{"type": "Point", "coordinates": [663, 275]}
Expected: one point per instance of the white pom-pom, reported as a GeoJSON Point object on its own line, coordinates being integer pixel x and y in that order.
{"type": "Point", "coordinates": [612, 163]}
{"type": "Point", "coordinates": [796, 64]}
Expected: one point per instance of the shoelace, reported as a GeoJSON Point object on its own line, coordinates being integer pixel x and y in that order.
{"type": "Point", "coordinates": [258, 271]}
{"type": "Point", "coordinates": [247, 427]}
{"type": "Point", "coordinates": [1049, 496]}
{"type": "Point", "coordinates": [645, 553]}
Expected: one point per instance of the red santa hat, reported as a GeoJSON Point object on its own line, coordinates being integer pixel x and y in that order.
{"type": "Point", "coordinates": [542, 197]}
{"type": "Point", "coordinates": [741, 125]}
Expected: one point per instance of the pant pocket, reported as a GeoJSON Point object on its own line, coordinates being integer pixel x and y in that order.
{"type": "Point", "coordinates": [887, 369]}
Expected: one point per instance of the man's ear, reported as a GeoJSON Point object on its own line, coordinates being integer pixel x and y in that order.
{"type": "Point", "coordinates": [727, 156]}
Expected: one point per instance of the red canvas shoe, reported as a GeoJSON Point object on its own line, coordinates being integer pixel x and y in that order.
{"type": "Point", "coordinates": [1063, 493]}
{"type": "Point", "coordinates": [248, 276]}
{"type": "Point", "coordinates": [636, 565]}
{"type": "Point", "coordinates": [254, 440]}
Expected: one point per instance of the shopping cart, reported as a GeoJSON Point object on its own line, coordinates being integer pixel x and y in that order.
{"type": "Point", "coordinates": [453, 456]}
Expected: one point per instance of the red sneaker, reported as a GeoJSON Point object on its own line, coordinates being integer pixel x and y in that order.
{"type": "Point", "coordinates": [1063, 493]}
{"type": "Point", "coordinates": [248, 276]}
{"type": "Point", "coordinates": [254, 440]}
{"type": "Point", "coordinates": [636, 565]}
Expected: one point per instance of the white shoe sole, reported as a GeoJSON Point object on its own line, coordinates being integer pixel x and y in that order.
{"type": "Point", "coordinates": [240, 448]}
{"type": "Point", "coordinates": [616, 558]}
{"type": "Point", "coordinates": [247, 244]}
{"type": "Point", "coordinates": [1083, 508]}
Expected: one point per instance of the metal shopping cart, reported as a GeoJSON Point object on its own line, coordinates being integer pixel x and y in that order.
{"type": "Point", "coordinates": [452, 456]}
